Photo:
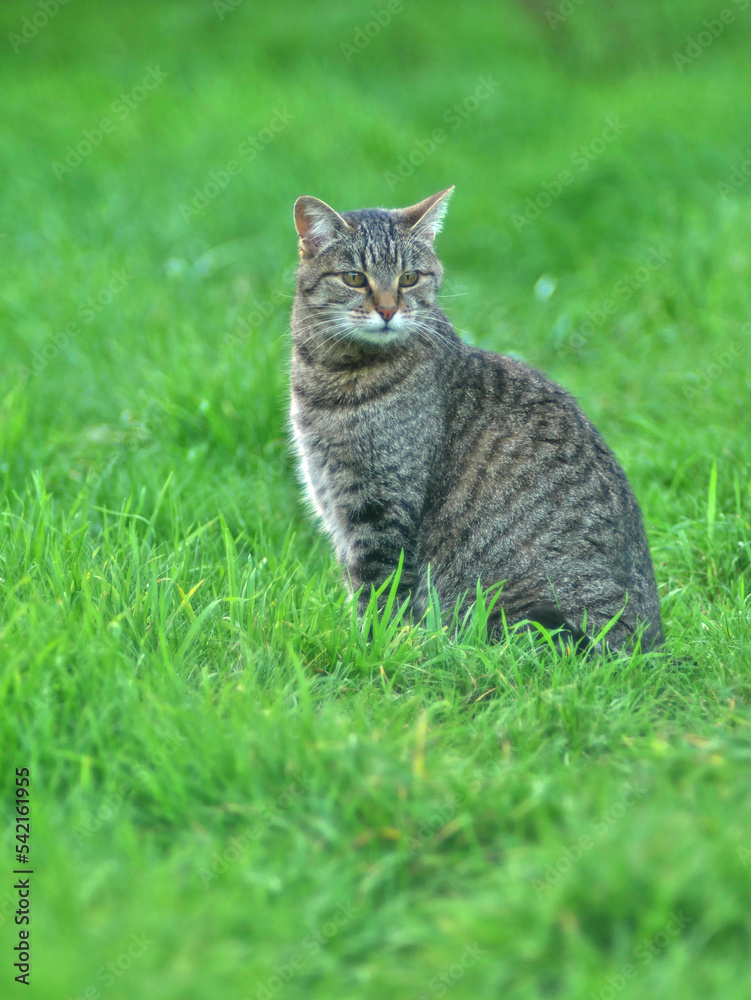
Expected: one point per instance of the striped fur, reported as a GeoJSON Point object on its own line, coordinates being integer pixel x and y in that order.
{"type": "Point", "coordinates": [469, 462]}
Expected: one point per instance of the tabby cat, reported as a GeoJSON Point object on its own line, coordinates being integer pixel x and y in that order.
{"type": "Point", "coordinates": [469, 462]}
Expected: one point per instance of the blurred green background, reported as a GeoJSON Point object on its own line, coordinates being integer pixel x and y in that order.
{"type": "Point", "coordinates": [161, 585]}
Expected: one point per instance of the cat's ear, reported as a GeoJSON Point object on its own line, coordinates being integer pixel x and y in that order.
{"type": "Point", "coordinates": [427, 216]}
{"type": "Point", "coordinates": [317, 224]}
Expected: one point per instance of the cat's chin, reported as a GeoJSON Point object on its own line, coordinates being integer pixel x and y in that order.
{"type": "Point", "coordinates": [382, 337]}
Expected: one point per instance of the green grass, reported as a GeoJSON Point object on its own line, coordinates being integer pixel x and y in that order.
{"type": "Point", "coordinates": [219, 759]}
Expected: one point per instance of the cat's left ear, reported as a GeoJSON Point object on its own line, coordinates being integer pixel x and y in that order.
{"type": "Point", "coordinates": [427, 216]}
{"type": "Point", "coordinates": [317, 224]}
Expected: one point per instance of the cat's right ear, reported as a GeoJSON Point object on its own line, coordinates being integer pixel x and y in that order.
{"type": "Point", "coordinates": [317, 224]}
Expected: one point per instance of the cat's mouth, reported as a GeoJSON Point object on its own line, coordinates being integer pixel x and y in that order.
{"type": "Point", "coordinates": [376, 330]}
{"type": "Point", "coordinates": [379, 325]}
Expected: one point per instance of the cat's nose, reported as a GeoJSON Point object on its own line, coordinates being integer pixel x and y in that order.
{"type": "Point", "coordinates": [386, 312]}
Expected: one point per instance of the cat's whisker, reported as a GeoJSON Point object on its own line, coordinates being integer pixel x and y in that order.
{"type": "Point", "coordinates": [342, 334]}
{"type": "Point", "coordinates": [435, 334]}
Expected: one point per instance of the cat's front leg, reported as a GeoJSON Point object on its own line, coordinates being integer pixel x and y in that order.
{"type": "Point", "coordinates": [376, 538]}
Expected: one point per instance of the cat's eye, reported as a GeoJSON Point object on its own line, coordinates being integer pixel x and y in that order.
{"type": "Point", "coordinates": [355, 279]}
{"type": "Point", "coordinates": [409, 278]}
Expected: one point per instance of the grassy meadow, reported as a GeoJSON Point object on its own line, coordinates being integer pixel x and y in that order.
{"type": "Point", "coordinates": [234, 794]}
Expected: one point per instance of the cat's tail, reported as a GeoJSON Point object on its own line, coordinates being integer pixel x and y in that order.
{"type": "Point", "coordinates": [620, 637]}
{"type": "Point", "coordinates": [552, 619]}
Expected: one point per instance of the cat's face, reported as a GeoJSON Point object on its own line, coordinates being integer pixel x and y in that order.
{"type": "Point", "coordinates": [370, 275]}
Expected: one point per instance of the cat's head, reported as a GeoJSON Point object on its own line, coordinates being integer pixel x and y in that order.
{"type": "Point", "coordinates": [370, 275]}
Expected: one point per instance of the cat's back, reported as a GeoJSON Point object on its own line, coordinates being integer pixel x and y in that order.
{"type": "Point", "coordinates": [522, 450]}
{"type": "Point", "coordinates": [504, 404]}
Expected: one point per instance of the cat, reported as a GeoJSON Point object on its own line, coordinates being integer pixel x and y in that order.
{"type": "Point", "coordinates": [468, 462]}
